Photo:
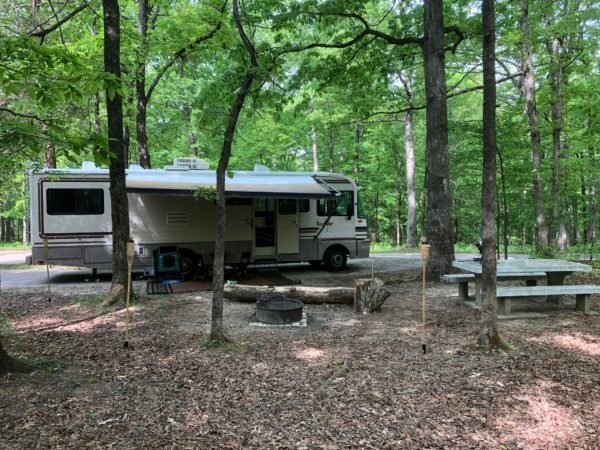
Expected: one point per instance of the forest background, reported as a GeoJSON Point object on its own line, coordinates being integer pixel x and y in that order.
{"type": "Point", "coordinates": [357, 109]}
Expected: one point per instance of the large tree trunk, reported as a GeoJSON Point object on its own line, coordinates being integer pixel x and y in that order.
{"type": "Point", "coordinates": [308, 295]}
{"type": "Point", "coordinates": [439, 222]}
{"type": "Point", "coordinates": [9, 364]}
{"type": "Point", "coordinates": [140, 87]}
{"type": "Point", "coordinates": [114, 113]}
{"type": "Point", "coordinates": [534, 131]}
{"type": "Point", "coordinates": [216, 326]}
{"type": "Point", "coordinates": [409, 148]}
{"type": "Point", "coordinates": [488, 330]}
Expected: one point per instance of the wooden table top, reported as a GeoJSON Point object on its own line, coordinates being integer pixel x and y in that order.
{"type": "Point", "coordinates": [525, 266]}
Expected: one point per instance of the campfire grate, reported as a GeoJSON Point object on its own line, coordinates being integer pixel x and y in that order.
{"type": "Point", "coordinates": [273, 308]}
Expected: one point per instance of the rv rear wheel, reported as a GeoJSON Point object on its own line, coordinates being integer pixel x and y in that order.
{"type": "Point", "coordinates": [188, 264]}
{"type": "Point", "coordinates": [335, 259]}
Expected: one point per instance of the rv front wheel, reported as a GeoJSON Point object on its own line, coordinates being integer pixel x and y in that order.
{"type": "Point", "coordinates": [335, 259]}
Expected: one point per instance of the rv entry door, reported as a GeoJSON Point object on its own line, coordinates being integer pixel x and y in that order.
{"type": "Point", "coordinates": [287, 226]}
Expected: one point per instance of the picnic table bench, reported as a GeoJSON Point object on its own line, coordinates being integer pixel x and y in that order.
{"type": "Point", "coordinates": [463, 279]}
{"type": "Point", "coordinates": [581, 292]}
{"type": "Point", "coordinates": [554, 270]}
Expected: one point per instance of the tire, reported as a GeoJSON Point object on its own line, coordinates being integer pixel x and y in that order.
{"type": "Point", "coordinates": [335, 259]}
{"type": "Point", "coordinates": [188, 264]}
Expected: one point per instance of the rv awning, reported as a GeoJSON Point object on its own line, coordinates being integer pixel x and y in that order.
{"type": "Point", "coordinates": [241, 184]}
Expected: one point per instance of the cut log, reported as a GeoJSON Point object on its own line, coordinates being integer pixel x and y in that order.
{"type": "Point", "coordinates": [369, 295]}
{"type": "Point", "coordinates": [308, 295]}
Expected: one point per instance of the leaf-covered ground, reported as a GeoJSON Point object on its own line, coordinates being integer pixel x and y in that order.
{"type": "Point", "coordinates": [345, 381]}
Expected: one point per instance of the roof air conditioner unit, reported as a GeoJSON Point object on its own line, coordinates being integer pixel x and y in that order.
{"type": "Point", "coordinates": [191, 163]}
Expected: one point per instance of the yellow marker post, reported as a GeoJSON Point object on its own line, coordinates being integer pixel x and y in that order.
{"type": "Point", "coordinates": [424, 257]}
{"type": "Point", "coordinates": [130, 255]}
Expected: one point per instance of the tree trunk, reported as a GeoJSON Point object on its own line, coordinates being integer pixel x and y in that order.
{"type": "Point", "coordinates": [216, 327]}
{"type": "Point", "coordinates": [534, 131]}
{"type": "Point", "coordinates": [358, 131]}
{"type": "Point", "coordinates": [186, 112]}
{"type": "Point", "coordinates": [488, 331]}
{"type": "Point", "coordinates": [592, 209]}
{"type": "Point", "coordinates": [439, 221]}
{"type": "Point", "coordinates": [8, 364]}
{"type": "Point", "coordinates": [140, 87]}
{"type": "Point", "coordinates": [315, 148]}
{"type": "Point", "coordinates": [409, 148]}
{"type": "Point", "coordinates": [330, 149]}
{"type": "Point", "coordinates": [308, 295]}
{"type": "Point", "coordinates": [114, 113]}
{"type": "Point", "coordinates": [398, 212]}
{"type": "Point", "coordinates": [50, 152]}
{"type": "Point", "coordinates": [556, 82]}
{"type": "Point", "coordinates": [369, 295]}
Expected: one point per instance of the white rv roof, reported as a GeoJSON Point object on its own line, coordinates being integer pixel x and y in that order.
{"type": "Point", "coordinates": [240, 184]}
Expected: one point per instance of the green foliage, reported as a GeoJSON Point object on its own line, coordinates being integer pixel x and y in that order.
{"type": "Point", "coordinates": [209, 194]}
{"type": "Point", "coordinates": [322, 95]}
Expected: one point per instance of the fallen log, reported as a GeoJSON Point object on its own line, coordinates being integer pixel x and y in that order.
{"type": "Point", "coordinates": [369, 295]}
{"type": "Point", "coordinates": [308, 295]}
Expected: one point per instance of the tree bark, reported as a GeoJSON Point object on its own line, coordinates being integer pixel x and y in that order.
{"type": "Point", "coordinates": [488, 331]}
{"type": "Point", "coordinates": [114, 113]}
{"type": "Point", "coordinates": [308, 295]}
{"type": "Point", "coordinates": [534, 131]}
{"type": "Point", "coordinates": [140, 87]}
{"type": "Point", "coordinates": [439, 221]}
{"type": "Point", "coordinates": [216, 328]}
{"type": "Point", "coordinates": [10, 365]}
{"type": "Point", "coordinates": [369, 295]}
{"type": "Point", "coordinates": [409, 149]}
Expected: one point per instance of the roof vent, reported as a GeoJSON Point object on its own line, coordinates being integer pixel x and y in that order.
{"type": "Point", "coordinates": [261, 168]}
{"type": "Point", "coordinates": [191, 163]}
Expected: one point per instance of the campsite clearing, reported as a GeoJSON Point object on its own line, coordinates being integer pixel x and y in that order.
{"type": "Point", "coordinates": [346, 380]}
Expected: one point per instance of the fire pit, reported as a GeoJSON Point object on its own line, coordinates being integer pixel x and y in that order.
{"type": "Point", "coordinates": [277, 310]}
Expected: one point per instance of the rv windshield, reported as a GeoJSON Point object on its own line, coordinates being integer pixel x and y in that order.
{"type": "Point", "coordinates": [360, 211]}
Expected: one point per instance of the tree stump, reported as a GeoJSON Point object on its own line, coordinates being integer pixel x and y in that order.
{"type": "Point", "coordinates": [369, 295]}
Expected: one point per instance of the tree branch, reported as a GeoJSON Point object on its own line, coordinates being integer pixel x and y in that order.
{"type": "Point", "coordinates": [26, 116]}
{"type": "Point", "coordinates": [42, 33]}
{"type": "Point", "coordinates": [420, 107]}
{"type": "Point", "coordinates": [184, 51]}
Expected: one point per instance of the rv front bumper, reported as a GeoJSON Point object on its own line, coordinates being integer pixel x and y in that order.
{"type": "Point", "coordinates": [363, 248]}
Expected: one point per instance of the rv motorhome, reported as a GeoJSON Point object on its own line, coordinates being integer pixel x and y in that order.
{"type": "Point", "coordinates": [271, 217]}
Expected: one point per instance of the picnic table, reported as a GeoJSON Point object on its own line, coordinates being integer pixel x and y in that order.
{"type": "Point", "coordinates": [556, 271]}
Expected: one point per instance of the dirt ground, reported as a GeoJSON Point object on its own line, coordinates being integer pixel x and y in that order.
{"type": "Point", "coordinates": [345, 381]}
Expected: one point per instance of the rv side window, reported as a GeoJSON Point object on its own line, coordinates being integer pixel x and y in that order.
{"type": "Point", "coordinates": [287, 206]}
{"type": "Point", "coordinates": [75, 202]}
{"type": "Point", "coordinates": [345, 206]}
{"type": "Point", "coordinates": [238, 201]}
{"type": "Point", "coordinates": [304, 205]}
{"type": "Point", "coordinates": [359, 207]}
